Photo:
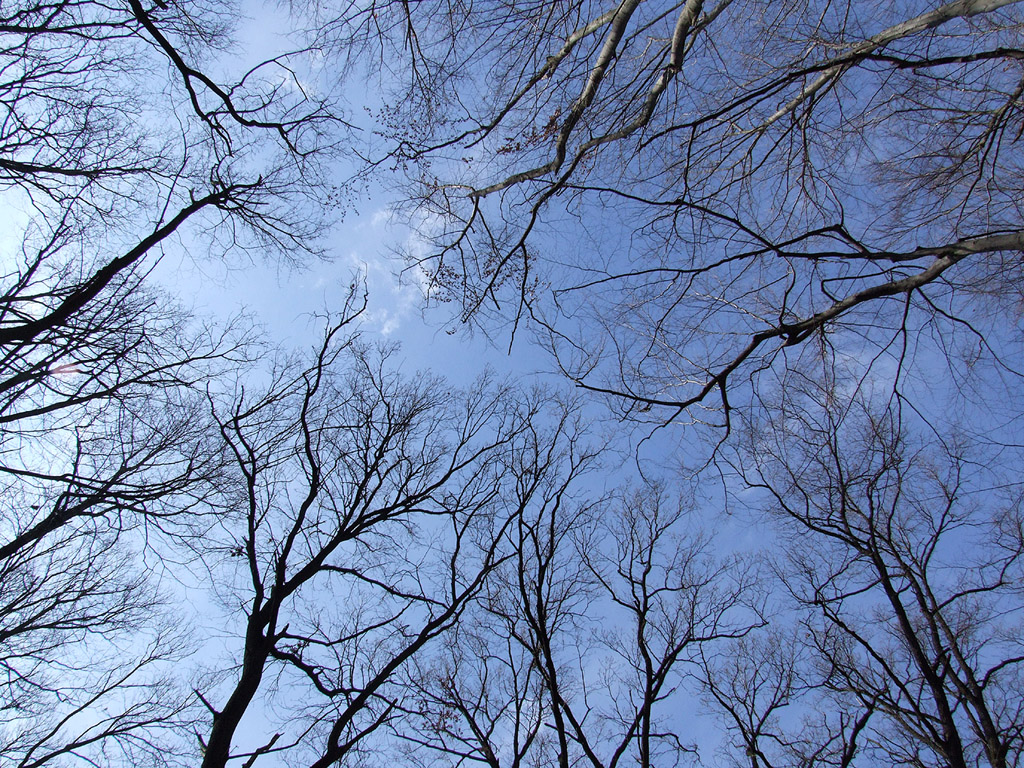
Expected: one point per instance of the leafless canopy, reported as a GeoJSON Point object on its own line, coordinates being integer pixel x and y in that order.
{"type": "Point", "coordinates": [901, 559]}
{"type": "Point", "coordinates": [681, 195]}
{"type": "Point", "coordinates": [116, 145]}
{"type": "Point", "coordinates": [798, 219]}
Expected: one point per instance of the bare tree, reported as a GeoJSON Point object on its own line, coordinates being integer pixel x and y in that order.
{"type": "Point", "coordinates": [104, 166]}
{"type": "Point", "coordinates": [117, 144]}
{"type": "Point", "coordinates": [586, 648]}
{"type": "Point", "coordinates": [699, 205]}
{"type": "Point", "coordinates": [411, 570]}
{"type": "Point", "coordinates": [905, 564]}
{"type": "Point", "coordinates": [87, 655]}
{"type": "Point", "coordinates": [679, 196]}
{"type": "Point", "coordinates": [366, 513]}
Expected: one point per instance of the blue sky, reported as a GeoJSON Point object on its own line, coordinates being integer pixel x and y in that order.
{"type": "Point", "coordinates": [285, 301]}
